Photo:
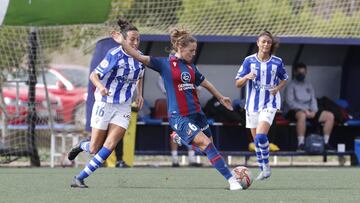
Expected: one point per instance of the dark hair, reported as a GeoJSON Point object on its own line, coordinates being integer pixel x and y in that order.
{"type": "Point", "coordinates": [180, 38]}
{"type": "Point", "coordinates": [125, 27]}
{"type": "Point", "coordinates": [298, 66]}
{"type": "Point", "coordinates": [275, 41]}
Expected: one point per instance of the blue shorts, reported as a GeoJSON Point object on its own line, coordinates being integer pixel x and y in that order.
{"type": "Point", "coordinates": [187, 127]}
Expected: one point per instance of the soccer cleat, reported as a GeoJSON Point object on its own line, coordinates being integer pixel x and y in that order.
{"type": "Point", "coordinates": [234, 184]}
{"type": "Point", "coordinates": [264, 174]}
{"type": "Point", "coordinates": [175, 164]}
{"type": "Point", "coordinates": [301, 148]}
{"type": "Point", "coordinates": [78, 183]}
{"type": "Point", "coordinates": [176, 138]}
{"type": "Point", "coordinates": [76, 150]}
{"type": "Point", "coordinates": [121, 164]}
{"type": "Point", "coordinates": [195, 164]}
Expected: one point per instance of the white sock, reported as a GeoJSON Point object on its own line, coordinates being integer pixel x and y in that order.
{"type": "Point", "coordinates": [191, 156]}
{"type": "Point", "coordinates": [326, 138]}
{"type": "Point", "coordinates": [301, 139]}
{"type": "Point", "coordinates": [174, 155]}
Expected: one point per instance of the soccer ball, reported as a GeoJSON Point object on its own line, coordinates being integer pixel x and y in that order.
{"type": "Point", "coordinates": [243, 176]}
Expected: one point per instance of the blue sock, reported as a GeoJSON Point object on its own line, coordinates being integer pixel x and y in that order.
{"type": "Point", "coordinates": [94, 163]}
{"type": "Point", "coordinates": [264, 148]}
{"type": "Point", "coordinates": [85, 146]}
{"type": "Point", "coordinates": [217, 160]}
{"type": "Point", "coordinates": [258, 155]}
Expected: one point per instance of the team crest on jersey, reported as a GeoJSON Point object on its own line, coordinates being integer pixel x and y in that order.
{"type": "Point", "coordinates": [185, 77]}
{"type": "Point", "coordinates": [104, 63]}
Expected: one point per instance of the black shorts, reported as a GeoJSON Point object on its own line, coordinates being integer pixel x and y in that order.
{"type": "Point", "coordinates": [291, 115]}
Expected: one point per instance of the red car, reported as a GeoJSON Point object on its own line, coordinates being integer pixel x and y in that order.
{"type": "Point", "coordinates": [17, 105]}
{"type": "Point", "coordinates": [69, 84]}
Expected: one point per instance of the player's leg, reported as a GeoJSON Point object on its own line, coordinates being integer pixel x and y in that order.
{"type": "Point", "coordinates": [300, 118]}
{"type": "Point", "coordinates": [217, 161]}
{"type": "Point", "coordinates": [252, 120]}
{"type": "Point", "coordinates": [174, 154]}
{"type": "Point", "coordinates": [328, 119]}
{"type": "Point", "coordinates": [115, 134]}
{"type": "Point", "coordinates": [266, 118]}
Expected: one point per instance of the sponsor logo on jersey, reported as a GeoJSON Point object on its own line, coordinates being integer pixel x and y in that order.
{"type": "Point", "coordinates": [125, 79]}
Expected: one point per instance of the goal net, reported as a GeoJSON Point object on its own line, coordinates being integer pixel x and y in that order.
{"type": "Point", "coordinates": [39, 57]}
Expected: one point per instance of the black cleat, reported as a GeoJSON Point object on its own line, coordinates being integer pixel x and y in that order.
{"type": "Point", "coordinates": [122, 164]}
{"type": "Point", "coordinates": [301, 148]}
{"type": "Point", "coordinates": [76, 150]}
{"type": "Point", "coordinates": [78, 183]}
{"type": "Point", "coordinates": [195, 164]}
{"type": "Point", "coordinates": [175, 164]}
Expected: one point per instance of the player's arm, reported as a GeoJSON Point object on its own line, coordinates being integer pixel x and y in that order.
{"type": "Point", "coordinates": [226, 101]}
{"type": "Point", "coordinates": [131, 51]}
{"type": "Point", "coordinates": [139, 91]}
{"type": "Point", "coordinates": [94, 77]}
{"type": "Point", "coordinates": [244, 74]}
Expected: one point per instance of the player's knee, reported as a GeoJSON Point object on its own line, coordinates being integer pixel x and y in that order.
{"type": "Point", "coordinates": [328, 116]}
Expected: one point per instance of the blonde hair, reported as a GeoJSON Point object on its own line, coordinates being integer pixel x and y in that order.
{"type": "Point", "coordinates": [180, 38]}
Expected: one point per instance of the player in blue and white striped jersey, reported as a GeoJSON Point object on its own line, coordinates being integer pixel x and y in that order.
{"type": "Point", "coordinates": [264, 75]}
{"type": "Point", "coordinates": [115, 78]}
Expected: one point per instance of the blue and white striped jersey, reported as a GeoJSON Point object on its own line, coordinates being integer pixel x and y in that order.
{"type": "Point", "coordinates": [268, 75]}
{"type": "Point", "coordinates": [119, 73]}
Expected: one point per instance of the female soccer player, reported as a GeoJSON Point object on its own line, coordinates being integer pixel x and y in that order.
{"type": "Point", "coordinates": [115, 78]}
{"type": "Point", "coordinates": [180, 79]}
{"type": "Point", "coordinates": [264, 75]}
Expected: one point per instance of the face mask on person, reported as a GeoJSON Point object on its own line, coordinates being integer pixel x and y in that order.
{"type": "Point", "coordinates": [300, 77]}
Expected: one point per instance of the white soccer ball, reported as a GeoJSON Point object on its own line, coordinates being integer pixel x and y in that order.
{"type": "Point", "coordinates": [243, 176]}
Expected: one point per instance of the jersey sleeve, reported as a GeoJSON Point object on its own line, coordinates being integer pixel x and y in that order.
{"type": "Point", "coordinates": [199, 78]}
{"type": "Point", "coordinates": [281, 73]}
{"type": "Point", "coordinates": [156, 63]}
{"type": "Point", "coordinates": [106, 65]}
{"type": "Point", "coordinates": [243, 70]}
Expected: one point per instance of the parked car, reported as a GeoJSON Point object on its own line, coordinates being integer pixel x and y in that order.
{"type": "Point", "coordinates": [16, 102]}
{"type": "Point", "coordinates": [69, 83]}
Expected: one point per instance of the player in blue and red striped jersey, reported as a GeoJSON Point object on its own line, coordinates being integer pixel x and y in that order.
{"type": "Point", "coordinates": [115, 78]}
{"type": "Point", "coordinates": [181, 78]}
{"type": "Point", "coordinates": [264, 75]}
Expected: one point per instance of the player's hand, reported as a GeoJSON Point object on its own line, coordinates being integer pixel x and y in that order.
{"type": "Point", "coordinates": [139, 102]}
{"type": "Point", "coordinates": [104, 92]}
{"type": "Point", "coordinates": [117, 36]}
{"type": "Point", "coordinates": [226, 101]}
{"type": "Point", "coordinates": [250, 76]}
{"type": "Point", "coordinates": [274, 91]}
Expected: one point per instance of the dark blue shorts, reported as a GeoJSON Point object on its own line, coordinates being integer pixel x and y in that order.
{"type": "Point", "coordinates": [187, 127]}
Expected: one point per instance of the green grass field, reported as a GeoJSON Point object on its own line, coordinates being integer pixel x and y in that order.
{"type": "Point", "coordinates": [178, 185]}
